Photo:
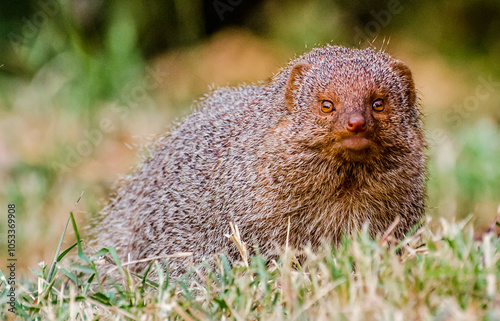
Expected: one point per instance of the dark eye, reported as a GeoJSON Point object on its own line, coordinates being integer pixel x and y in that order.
{"type": "Point", "coordinates": [378, 105]}
{"type": "Point", "coordinates": [327, 106]}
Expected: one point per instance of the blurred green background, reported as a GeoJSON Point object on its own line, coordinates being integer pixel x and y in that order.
{"type": "Point", "coordinates": [84, 83]}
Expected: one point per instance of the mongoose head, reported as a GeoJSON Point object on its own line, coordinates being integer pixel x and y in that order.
{"type": "Point", "coordinates": [356, 104]}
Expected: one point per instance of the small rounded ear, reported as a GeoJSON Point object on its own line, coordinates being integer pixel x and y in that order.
{"type": "Point", "coordinates": [296, 75]}
{"type": "Point", "coordinates": [401, 69]}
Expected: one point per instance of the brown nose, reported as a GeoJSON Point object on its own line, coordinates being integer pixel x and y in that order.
{"type": "Point", "coordinates": [356, 124]}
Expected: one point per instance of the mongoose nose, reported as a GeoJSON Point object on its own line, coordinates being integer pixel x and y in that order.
{"type": "Point", "coordinates": [356, 124]}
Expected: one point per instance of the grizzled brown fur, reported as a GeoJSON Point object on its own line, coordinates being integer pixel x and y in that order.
{"type": "Point", "coordinates": [261, 155]}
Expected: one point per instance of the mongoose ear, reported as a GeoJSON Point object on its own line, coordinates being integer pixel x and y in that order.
{"type": "Point", "coordinates": [404, 72]}
{"type": "Point", "coordinates": [296, 75]}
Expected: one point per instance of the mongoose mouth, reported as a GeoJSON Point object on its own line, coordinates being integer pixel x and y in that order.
{"type": "Point", "coordinates": [356, 142]}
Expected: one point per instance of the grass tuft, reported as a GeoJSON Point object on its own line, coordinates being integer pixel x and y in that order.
{"type": "Point", "coordinates": [434, 275]}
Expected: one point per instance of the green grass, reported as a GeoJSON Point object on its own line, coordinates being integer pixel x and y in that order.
{"type": "Point", "coordinates": [433, 275]}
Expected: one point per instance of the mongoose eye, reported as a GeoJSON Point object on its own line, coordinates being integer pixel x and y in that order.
{"type": "Point", "coordinates": [327, 106]}
{"type": "Point", "coordinates": [378, 105]}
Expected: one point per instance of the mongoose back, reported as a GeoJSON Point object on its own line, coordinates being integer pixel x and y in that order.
{"type": "Point", "coordinates": [333, 141]}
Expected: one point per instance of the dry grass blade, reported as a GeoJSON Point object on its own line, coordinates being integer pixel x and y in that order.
{"type": "Point", "coordinates": [182, 313]}
{"type": "Point", "coordinates": [390, 229]}
{"type": "Point", "coordinates": [112, 309]}
{"type": "Point", "coordinates": [176, 255]}
{"type": "Point", "coordinates": [287, 233]}
{"type": "Point", "coordinates": [322, 293]}
{"type": "Point", "coordinates": [236, 238]}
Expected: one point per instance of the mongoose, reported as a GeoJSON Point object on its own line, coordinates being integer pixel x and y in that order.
{"type": "Point", "coordinates": [334, 140]}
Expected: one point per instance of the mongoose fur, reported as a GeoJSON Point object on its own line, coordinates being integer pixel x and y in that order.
{"type": "Point", "coordinates": [333, 141]}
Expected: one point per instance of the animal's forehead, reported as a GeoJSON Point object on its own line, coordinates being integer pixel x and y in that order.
{"type": "Point", "coordinates": [337, 54]}
{"type": "Point", "coordinates": [352, 85]}
{"type": "Point", "coordinates": [350, 63]}
{"type": "Point", "coordinates": [356, 67]}
{"type": "Point", "coordinates": [355, 76]}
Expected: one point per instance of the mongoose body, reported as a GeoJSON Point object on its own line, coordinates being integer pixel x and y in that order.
{"type": "Point", "coordinates": [333, 141]}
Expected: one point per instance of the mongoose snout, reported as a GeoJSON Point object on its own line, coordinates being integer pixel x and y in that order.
{"type": "Point", "coordinates": [356, 124]}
